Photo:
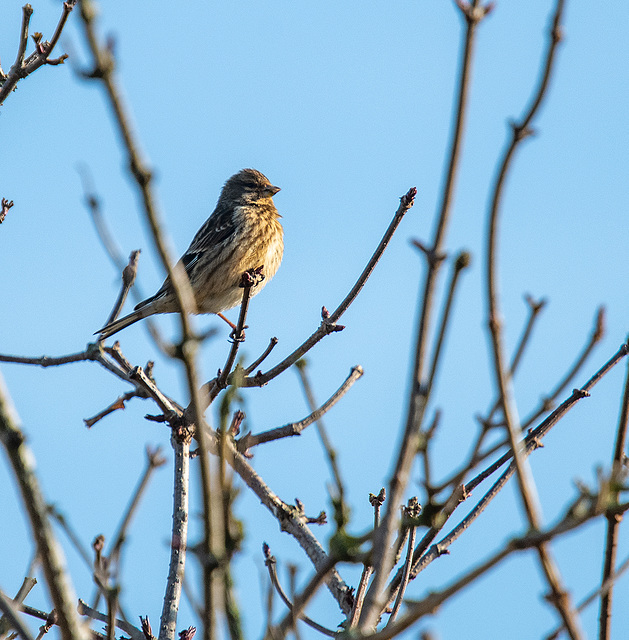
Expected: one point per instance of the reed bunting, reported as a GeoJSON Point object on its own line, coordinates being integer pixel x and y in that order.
{"type": "Point", "coordinates": [243, 233]}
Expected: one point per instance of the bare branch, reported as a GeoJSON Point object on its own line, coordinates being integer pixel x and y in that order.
{"type": "Point", "coordinates": [270, 564]}
{"type": "Point", "coordinates": [418, 396]}
{"type": "Point", "coordinates": [10, 611]}
{"type": "Point", "coordinates": [128, 278]}
{"type": "Point", "coordinates": [256, 363]}
{"type": "Point", "coordinates": [85, 610]}
{"type": "Point", "coordinates": [301, 600]}
{"type": "Point", "coordinates": [330, 452]}
{"type": "Point", "coordinates": [295, 428]}
{"type": "Point", "coordinates": [52, 560]}
{"type": "Point", "coordinates": [462, 262]}
{"type": "Point", "coordinates": [328, 325]}
{"type": "Point", "coordinates": [613, 520]}
{"type": "Point", "coordinates": [23, 68]}
{"type": "Point", "coordinates": [179, 540]}
{"type": "Point", "coordinates": [376, 502]}
{"type": "Point", "coordinates": [6, 205]}
{"type": "Point", "coordinates": [154, 459]}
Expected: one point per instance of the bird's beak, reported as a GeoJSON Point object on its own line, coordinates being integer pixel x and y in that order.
{"type": "Point", "coordinates": [272, 190]}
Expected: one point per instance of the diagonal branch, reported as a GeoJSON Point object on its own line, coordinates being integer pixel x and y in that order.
{"type": "Point", "coordinates": [41, 56]}
{"type": "Point", "coordinates": [328, 325]}
{"type": "Point", "coordinates": [21, 458]}
{"type": "Point", "coordinates": [382, 551]}
{"type": "Point", "coordinates": [295, 428]}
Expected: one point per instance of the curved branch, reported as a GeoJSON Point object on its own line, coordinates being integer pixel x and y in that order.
{"type": "Point", "coordinates": [382, 553]}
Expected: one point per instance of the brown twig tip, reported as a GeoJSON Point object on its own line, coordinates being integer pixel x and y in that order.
{"type": "Point", "coordinates": [51, 621]}
{"type": "Point", "coordinates": [155, 457]}
{"type": "Point", "coordinates": [322, 518]}
{"type": "Point", "coordinates": [474, 14]}
{"type": "Point", "coordinates": [56, 61]}
{"type": "Point", "coordinates": [378, 500]}
{"type": "Point", "coordinates": [234, 428]}
{"type": "Point", "coordinates": [6, 205]}
{"type": "Point", "coordinates": [599, 325]}
{"type": "Point", "coordinates": [408, 199]}
{"type": "Point", "coordinates": [325, 314]}
{"type": "Point", "coordinates": [535, 305]}
{"type": "Point", "coordinates": [187, 634]}
{"type": "Point", "coordinates": [463, 260]}
{"type": "Point", "coordinates": [146, 628]}
{"type": "Point", "coordinates": [252, 277]}
{"type": "Point", "coordinates": [99, 543]}
{"type": "Point", "coordinates": [269, 558]}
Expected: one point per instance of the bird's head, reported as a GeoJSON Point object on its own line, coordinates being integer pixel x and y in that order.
{"type": "Point", "coordinates": [248, 186]}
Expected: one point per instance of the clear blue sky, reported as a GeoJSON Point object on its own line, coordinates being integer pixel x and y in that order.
{"type": "Point", "coordinates": [344, 106]}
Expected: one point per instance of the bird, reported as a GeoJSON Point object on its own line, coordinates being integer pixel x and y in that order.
{"type": "Point", "coordinates": [242, 234]}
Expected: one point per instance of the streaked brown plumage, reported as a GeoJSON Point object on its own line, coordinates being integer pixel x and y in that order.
{"type": "Point", "coordinates": [242, 233]}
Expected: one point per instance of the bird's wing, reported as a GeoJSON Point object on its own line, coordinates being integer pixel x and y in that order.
{"type": "Point", "coordinates": [211, 237]}
{"type": "Point", "coordinates": [216, 230]}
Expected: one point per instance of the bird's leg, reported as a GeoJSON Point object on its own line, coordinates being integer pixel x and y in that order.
{"type": "Point", "coordinates": [229, 322]}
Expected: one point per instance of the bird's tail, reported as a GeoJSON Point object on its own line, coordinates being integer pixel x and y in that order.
{"type": "Point", "coordinates": [117, 325]}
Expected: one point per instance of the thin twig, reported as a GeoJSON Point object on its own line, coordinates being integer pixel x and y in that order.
{"type": "Point", "coordinates": [116, 405]}
{"type": "Point", "coordinates": [10, 611]}
{"type": "Point", "coordinates": [271, 565]}
{"type": "Point", "coordinates": [411, 512]}
{"type": "Point", "coordinates": [462, 262]}
{"type": "Point", "coordinates": [613, 520]}
{"type": "Point", "coordinates": [256, 363]}
{"type": "Point", "coordinates": [22, 458]}
{"type": "Point", "coordinates": [72, 535]}
{"type": "Point", "coordinates": [559, 597]}
{"type": "Point", "coordinates": [154, 459]}
{"type": "Point", "coordinates": [47, 361]}
{"type": "Point", "coordinates": [598, 331]}
{"type": "Point", "coordinates": [295, 428]}
{"type": "Point", "coordinates": [530, 541]}
{"type": "Point", "coordinates": [535, 308]}
{"type": "Point", "coordinates": [85, 610]}
{"type": "Point", "coordinates": [330, 452]}
{"type": "Point", "coordinates": [302, 599]}
{"type": "Point", "coordinates": [92, 202]}
{"type": "Point", "coordinates": [128, 278]}
{"type": "Point", "coordinates": [23, 68]}
{"type": "Point", "coordinates": [247, 282]}
{"type": "Point", "coordinates": [328, 324]}
{"type": "Point", "coordinates": [382, 552]}
{"type": "Point", "coordinates": [376, 502]}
